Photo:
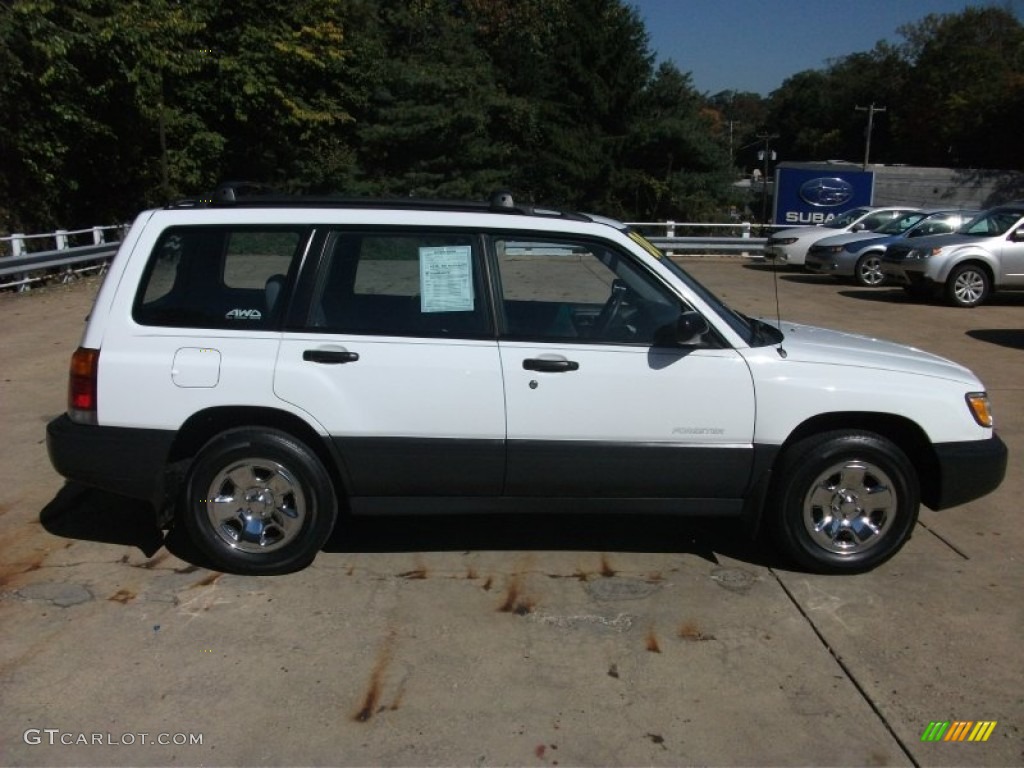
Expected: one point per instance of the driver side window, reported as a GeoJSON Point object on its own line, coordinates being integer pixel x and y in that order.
{"type": "Point", "coordinates": [578, 291]}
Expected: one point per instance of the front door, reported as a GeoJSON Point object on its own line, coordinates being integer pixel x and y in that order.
{"type": "Point", "coordinates": [600, 401]}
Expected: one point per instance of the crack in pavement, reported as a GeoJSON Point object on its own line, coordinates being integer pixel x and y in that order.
{"type": "Point", "coordinates": [846, 670]}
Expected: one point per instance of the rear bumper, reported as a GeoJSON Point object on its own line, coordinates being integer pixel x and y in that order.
{"type": "Point", "coordinates": [968, 471]}
{"type": "Point", "coordinates": [129, 462]}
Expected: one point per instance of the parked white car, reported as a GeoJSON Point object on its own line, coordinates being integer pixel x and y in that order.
{"type": "Point", "coordinates": [790, 246]}
{"type": "Point", "coordinates": [254, 366]}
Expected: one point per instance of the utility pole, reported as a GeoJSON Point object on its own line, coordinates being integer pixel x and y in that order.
{"type": "Point", "coordinates": [732, 123]}
{"type": "Point", "coordinates": [871, 124]}
{"type": "Point", "coordinates": [767, 154]}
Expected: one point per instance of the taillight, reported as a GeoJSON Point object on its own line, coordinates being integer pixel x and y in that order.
{"type": "Point", "coordinates": [85, 364]}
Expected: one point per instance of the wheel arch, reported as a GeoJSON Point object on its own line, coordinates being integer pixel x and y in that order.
{"type": "Point", "coordinates": [204, 425]}
{"type": "Point", "coordinates": [902, 432]}
{"type": "Point", "coordinates": [974, 259]}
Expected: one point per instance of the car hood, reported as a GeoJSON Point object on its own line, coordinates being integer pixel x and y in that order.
{"type": "Point", "coordinates": [944, 241]}
{"type": "Point", "coordinates": [849, 237]}
{"type": "Point", "coordinates": [808, 344]}
{"type": "Point", "coordinates": [802, 232]}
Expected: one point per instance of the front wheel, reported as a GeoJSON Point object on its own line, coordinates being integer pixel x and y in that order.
{"type": "Point", "coordinates": [968, 285]}
{"type": "Point", "coordinates": [844, 501]}
{"type": "Point", "coordinates": [868, 271]}
{"type": "Point", "coordinates": [258, 501]}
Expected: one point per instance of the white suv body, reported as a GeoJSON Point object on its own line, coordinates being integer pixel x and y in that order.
{"type": "Point", "coordinates": [251, 369]}
{"type": "Point", "coordinates": [790, 246]}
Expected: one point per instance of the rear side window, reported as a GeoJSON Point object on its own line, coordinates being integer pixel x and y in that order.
{"type": "Point", "coordinates": [219, 277]}
{"type": "Point", "coordinates": [402, 284]}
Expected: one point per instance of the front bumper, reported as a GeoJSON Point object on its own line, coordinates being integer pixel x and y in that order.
{"type": "Point", "coordinates": [129, 462]}
{"type": "Point", "coordinates": [835, 264]}
{"type": "Point", "coordinates": [967, 471]}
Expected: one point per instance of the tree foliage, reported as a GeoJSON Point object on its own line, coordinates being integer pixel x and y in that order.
{"type": "Point", "coordinates": [115, 105]}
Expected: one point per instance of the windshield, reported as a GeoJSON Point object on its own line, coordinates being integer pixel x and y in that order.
{"type": "Point", "coordinates": [991, 223]}
{"type": "Point", "coordinates": [754, 332]}
{"type": "Point", "coordinates": [900, 225]}
{"type": "Point", "coordinates": [846, 218]}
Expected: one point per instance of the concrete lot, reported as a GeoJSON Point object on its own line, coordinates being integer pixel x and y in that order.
{"type": "Point", "coordinates": [508, 641]}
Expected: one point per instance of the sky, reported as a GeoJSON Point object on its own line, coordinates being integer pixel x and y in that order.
{"type": "Point", "coordinates": [754, 45]}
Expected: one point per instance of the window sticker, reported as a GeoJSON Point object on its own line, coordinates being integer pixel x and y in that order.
{"type": "Point", "coordinates": [446, 278]}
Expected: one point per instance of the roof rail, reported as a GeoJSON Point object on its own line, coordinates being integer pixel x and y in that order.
{"type": "Point", "coordinates": [255, 194]}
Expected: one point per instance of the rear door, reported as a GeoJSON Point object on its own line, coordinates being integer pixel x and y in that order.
{"type": "Point", "coordinates": [600, 402]}
{"type": "Point", "coordinates": [397, 359]}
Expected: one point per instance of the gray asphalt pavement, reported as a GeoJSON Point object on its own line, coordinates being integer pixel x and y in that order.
{"type": "Point", "coordinates": [571, 641]}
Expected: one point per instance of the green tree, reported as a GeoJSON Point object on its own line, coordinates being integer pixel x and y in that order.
{"type": "Point", "coordinates": [432, 126]}
{"type": "Point", "coordinates": [965, 101]}
{"type": "Point", "coordinates": [574, 72]}
{"type": "Point", "coordinates": [677, 165]}
{"type": "Point", "coordinates": [279, 91]}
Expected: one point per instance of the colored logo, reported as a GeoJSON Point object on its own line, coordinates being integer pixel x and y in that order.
{"type": "Point", "coordinates": [958, 730]}
{"type": "Point", "coordinates": [826, 192]}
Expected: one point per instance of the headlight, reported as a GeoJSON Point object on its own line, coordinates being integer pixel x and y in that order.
{"type": "Point", "coordinates": [981, 410]}
{"type": "Point", "coordinates": [782, 241]}
{"type": "Point", "coordinates": [924, 253]}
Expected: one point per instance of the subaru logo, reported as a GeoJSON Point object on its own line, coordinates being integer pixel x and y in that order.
{"type": "Point", "coordinates": [826, 192]}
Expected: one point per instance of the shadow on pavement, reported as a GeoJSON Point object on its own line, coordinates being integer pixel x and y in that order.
{"type": "Point", "coordinates": [1004, 337]}
{"type": "Point", "coordinates": [704, 538]}
{"type": "Point", "coordinates": [885, 295]}
{"type": "Point", "coordinates": [77, 512]}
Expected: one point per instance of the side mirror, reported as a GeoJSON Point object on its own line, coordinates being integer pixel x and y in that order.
{"type": "Point", "coordinates": [690, 329]}
{"type": "Point", "coordinates": [857, 228]}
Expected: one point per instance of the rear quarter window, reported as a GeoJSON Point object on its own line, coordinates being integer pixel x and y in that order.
{"type": "Point", "coordinates": [219, 277]}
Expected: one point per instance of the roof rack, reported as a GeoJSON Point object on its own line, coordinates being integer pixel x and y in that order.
{"type": "Point", "coordinates": [251, 194]}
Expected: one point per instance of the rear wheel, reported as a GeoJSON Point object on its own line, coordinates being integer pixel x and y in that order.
{"type": "Point", "coordinates": [258, 501]}
{"type": "Point", "coordinates": [868, 271]}
{"type": "Point", "coordinates": [844, 501]}
{"type": "Point", "coordinates": [968, 285]}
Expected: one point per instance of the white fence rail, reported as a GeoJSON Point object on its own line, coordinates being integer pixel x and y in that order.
{"type": "Point", "coordinates": [736, 237]}
{"type": "Point", "coordinates": [75, 252]}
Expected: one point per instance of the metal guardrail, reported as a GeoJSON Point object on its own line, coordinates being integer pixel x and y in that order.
{"type": "Point", "coordinates": [742, 245]}
{"type": "Point", "coordinates": [727, 242]}
{"type": "Point", "coordinates": [20, 270]}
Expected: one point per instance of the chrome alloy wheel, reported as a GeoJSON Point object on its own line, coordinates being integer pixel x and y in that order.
{"type": "Point", "coordinates": [869, 271]}
{"type": "Point", "coordinates": [969, 287]}
{"type": "Point", "coordinates": [256, 505]}
{"type": "Point", "coordinates": [850, 507]}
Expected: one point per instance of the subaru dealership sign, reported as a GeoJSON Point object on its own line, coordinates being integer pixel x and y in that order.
{"type": "Point", "coordinates": [813, 195]}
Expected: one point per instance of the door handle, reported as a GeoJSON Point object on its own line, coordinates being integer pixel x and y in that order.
{"type": "Point", "coordinates": [329, 356]}
{"type": "Point", "coordinates": [550, 366]}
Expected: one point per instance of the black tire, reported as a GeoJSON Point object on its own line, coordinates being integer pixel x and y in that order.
{"type": "Point", "coordinates": [868, 271]}
{"type": "Point", "coordinates": [258, 501]}
{"type": "Point", "coordinates": [968, 285]}
{"type": "Point", "coordinates": [821, 518]}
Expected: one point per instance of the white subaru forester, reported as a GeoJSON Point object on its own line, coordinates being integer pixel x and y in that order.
{"type": "Point", "coordinates": [253, 365]}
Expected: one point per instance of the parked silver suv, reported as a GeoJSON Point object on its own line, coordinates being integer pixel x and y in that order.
{"type": "Point", "coordinates": [985, 254]}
